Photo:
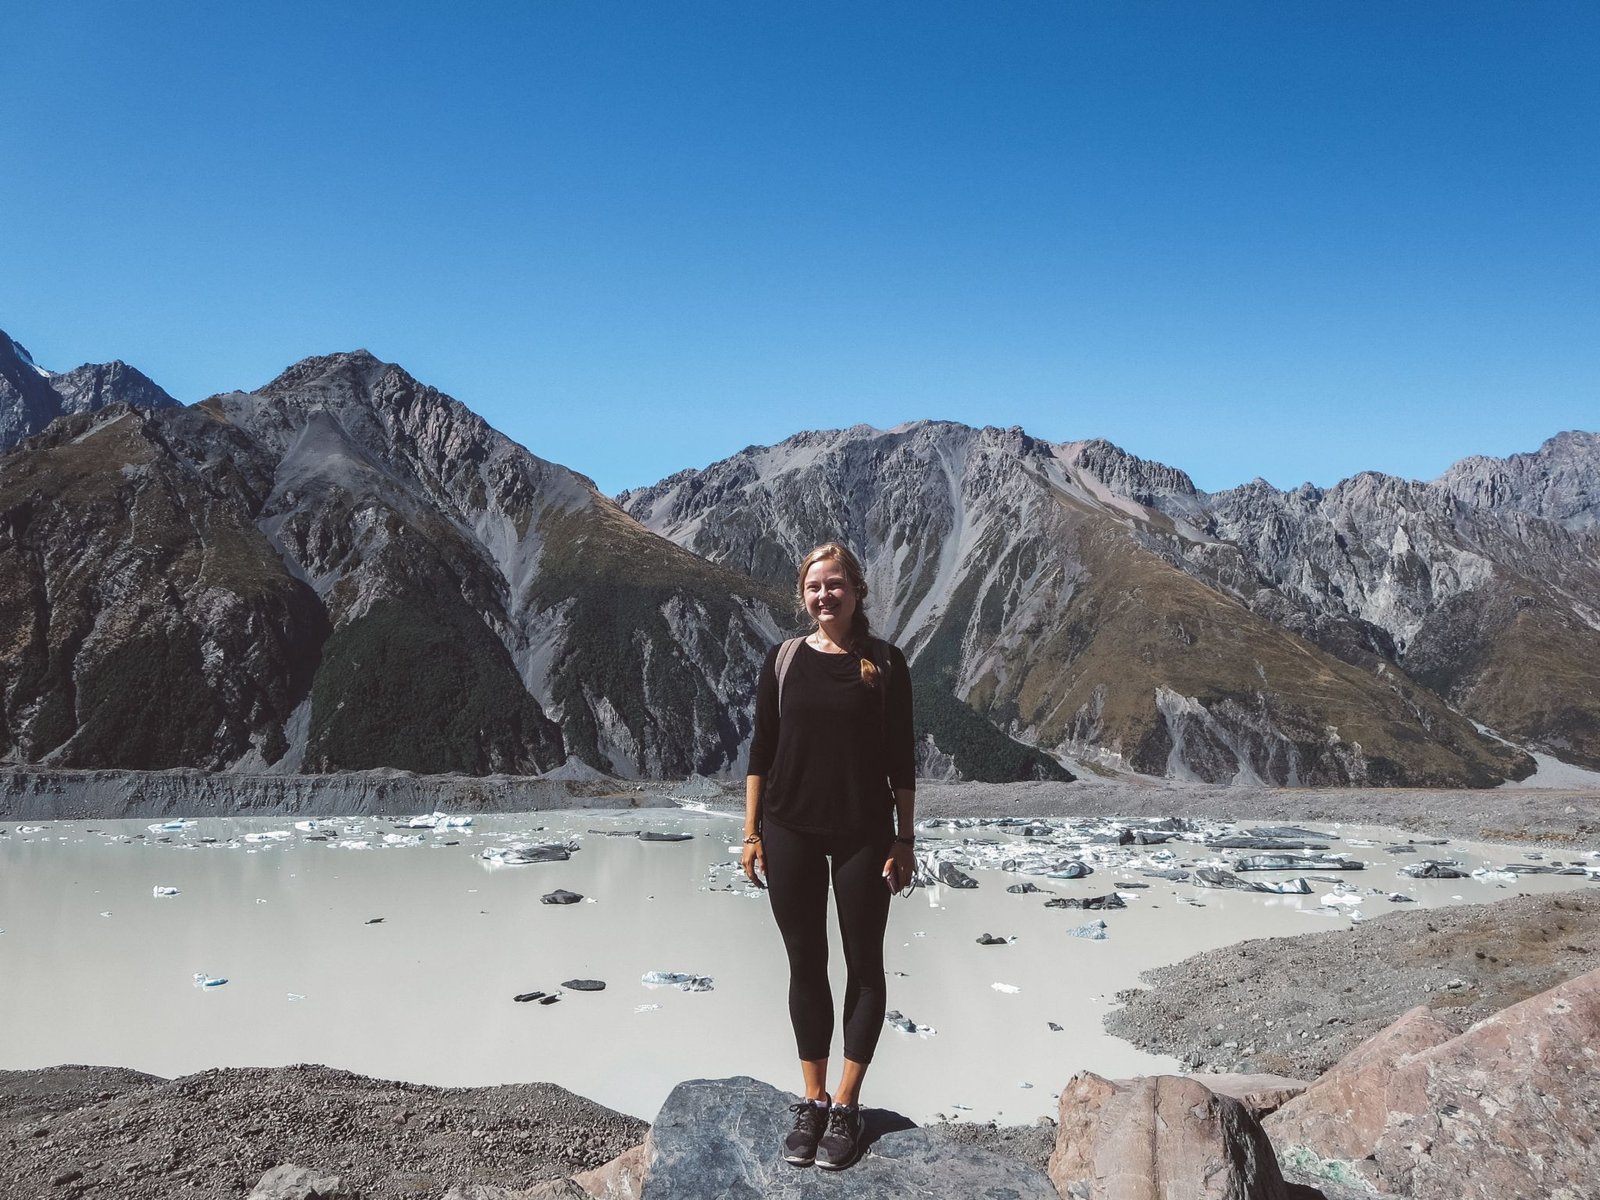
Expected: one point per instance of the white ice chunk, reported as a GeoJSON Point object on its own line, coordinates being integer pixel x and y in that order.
{"type": "Point", "coordinates": [679, 979]}
{"type": "Point", "coordinates": [1009, 988]}
{"type": "Point", "coordinates": [163, 890]}
{"type": "Point", "coordinates": [202, 980]}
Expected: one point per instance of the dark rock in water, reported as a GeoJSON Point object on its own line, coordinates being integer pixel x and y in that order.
{"type": "Point", "coordinates": [1430, 868]}
{"type": "Point", "coordinates": [1285, 831]}
{"type": "Point", "coordinates": [1296, 862]}
{"type": "Point", "coordinates": [524, 997]}
{"type": "Point", "coordinates": [1132, 886]}
{"type": "Point", "coordinates": [1213, 877]}
{"type": "Point", "coordinates": [561, 896]}
{"type": "Point", "coordinates": [1146, 837]}
{"type": "Point", "coordinates": [1054, 1028]}
{"type": "Point", "coordinates": [1171, 874]}
{"type": "Point", "coordinates": [649, 835]}
{"type": "Point", "coordinates": [953, 876]}
{"type": "Point", "coordinates": [549, 999]}
{"type": "Point", "coordinates": [723, 1137]}
{"type": "Point", "coordinates": [585, 985]}
{"type": "Point", "coordinates": [1263, 843]}
{"type": "Point", "coordinates": [1022, 889]}
{"type": "Point", "coordinates": [1117, 837]}
{"type": "Point", "coordinates": [1109, 900]}
{"type": "Point", "coordinates": [989, 939]}
{"type": "Point", "coordinates": [517, 856]}
{"type": "Point", "coordinates": [374, 921]}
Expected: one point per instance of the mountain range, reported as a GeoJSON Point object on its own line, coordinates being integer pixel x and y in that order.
{"type": "Point", "coordinates": [346, 568]}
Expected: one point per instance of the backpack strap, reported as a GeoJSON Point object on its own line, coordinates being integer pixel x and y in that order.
{"type": "Point", "coordinates": [786, 653]}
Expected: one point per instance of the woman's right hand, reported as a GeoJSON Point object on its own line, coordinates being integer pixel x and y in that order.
{"type": "Point", "coordinates": [755, 863]}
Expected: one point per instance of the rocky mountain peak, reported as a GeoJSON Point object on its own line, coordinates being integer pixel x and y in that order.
{"type": "Point", "coordinates": [32, 397]}
{"type": "Point", "coordinates": [1559, 482]}
{"type": "Point", "coordinates": [94, 386]}
{"type": "Point", "coordinates": [1127, 474]}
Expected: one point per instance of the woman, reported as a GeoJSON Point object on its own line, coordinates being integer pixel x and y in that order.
{"type": "Point", "coordinates": [832, 738]}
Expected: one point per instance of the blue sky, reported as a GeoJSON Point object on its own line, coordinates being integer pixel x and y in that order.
{"type": "Point", "coordinates": [1285, 239]}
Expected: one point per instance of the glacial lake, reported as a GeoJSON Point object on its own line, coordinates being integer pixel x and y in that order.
{"type": "Point", "coordinates": [400, 959]}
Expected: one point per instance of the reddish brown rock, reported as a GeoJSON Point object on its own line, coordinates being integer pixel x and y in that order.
{"type": "Point", "coordinates": [1164, 1137]}
{"type": "Point", "coordinates": [1261, 1093]}
{"type": "Point", "coordinates": [1508, 1108]}
{"type": "Point", "coordinates": [620, 1179]}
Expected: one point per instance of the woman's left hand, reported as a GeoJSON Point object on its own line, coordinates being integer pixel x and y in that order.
{"type": "Point", "coordinates": [900, 867]}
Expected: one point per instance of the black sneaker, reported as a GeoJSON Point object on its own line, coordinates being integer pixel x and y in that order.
{"type": "Point", "coordinates": [841, 1141]}
{"type": "Point", "coordinates": [800, 1147]}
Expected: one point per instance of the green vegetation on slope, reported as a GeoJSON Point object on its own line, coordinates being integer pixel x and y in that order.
{"type": "Point", "coordinates": [620, 643]}
{"type": "Point", "coordinates": [423, 685]}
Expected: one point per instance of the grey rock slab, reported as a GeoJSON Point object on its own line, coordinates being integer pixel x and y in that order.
{"type": "Point", "coordinates": [953, 876]}
{"type": "Point", "coordinates": [291, 1182]}
{"type": "Point", "coordinates": [723, 1138]}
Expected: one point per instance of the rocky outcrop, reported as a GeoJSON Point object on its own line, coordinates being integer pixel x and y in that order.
{"type": "Point", "coordinates": [724, 1137]}
{"type": "Point", "coordinates": [30, 794]}
{"type": "Point", "coordinates": [1082, 601]}
{"type": "Point", "coordinates": [1157, 1137]}
{"type": "Point", "coordinates": [347, 570]}
{"type": "Point", "coordinates": [620, 1179]}
{"type": "Point", "coordinates": [293, 1182]}
{"type": "Point", "coordinates": [1260, 1093]}
{"type": "Point", "coordinates": [32, 397]}
{"type": "Point", "coordinates": [1508, 1108]}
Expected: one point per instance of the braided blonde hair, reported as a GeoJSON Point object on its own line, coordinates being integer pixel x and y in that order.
{"type": "Point", "coordinates": [860, 627]}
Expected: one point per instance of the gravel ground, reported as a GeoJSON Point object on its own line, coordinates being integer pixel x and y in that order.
{"type": "Point", "coordinates": [105, 1132]}
{"type": "Point", "coordinates": [1296, 1005]}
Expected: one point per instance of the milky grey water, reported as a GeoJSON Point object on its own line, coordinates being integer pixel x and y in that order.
{"type": "Point", "coordinates": [94, 968]}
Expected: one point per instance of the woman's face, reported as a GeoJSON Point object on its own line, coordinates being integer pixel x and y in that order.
{"type": "Point", "coordinates": [830, 600]}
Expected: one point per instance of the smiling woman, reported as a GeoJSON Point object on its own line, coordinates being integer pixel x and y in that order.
{"type": "Point", "coordinates": [831, 794]}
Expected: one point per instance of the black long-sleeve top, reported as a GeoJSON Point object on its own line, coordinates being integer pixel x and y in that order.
{"type": "Point", "coordinates": [838, 748]}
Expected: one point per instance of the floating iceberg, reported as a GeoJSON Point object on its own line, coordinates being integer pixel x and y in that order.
{"type": "Point", "coordinates": [439, 820]}
{"type": "Point", "coordinates": [202, 980]}
{"type": "Point", "coordinates": [1094, 931]}
{"type": "Point", "coordinates": [678, 979]}
{"type": "Point", "coordinates": [163, 890]}
{"type": "Point", "coordinates": [169, 826]}
{"type": "Point", "coordinates": [905, 1024]}
{"type": "Point", "coordinates": [1010, 989]}
{"type": "Point", "coordinates": [521, 854]}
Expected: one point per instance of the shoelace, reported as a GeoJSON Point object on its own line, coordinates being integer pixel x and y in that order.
{"type": "Point", "coordinates": [807, 1115]}
{"type": "Point", "coordinates": [841, 1121]}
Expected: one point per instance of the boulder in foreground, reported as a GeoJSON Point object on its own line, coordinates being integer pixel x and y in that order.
{"type": "Point", "coordinates": [1161, 1137]}
{"type": "Point", "coordinates": [724, 1137]}
{"type": "Point", "coordinates": [1508, 1108]}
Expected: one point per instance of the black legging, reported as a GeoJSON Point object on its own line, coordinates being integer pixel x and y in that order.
{"type": "Point", "coordinates": [797, 881]}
